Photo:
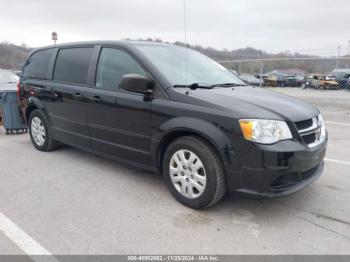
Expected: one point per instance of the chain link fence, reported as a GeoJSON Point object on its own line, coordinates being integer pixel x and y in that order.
{"type": "Point", "coordinates": [316, 72]}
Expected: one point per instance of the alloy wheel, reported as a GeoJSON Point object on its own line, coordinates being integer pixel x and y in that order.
{"type": "Point", "coordinates": [38, 131]}
{"type": "Point", "coordinates": [187, 174]}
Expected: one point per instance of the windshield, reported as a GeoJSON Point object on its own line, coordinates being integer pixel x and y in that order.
{"type": "Point", "coordinates": [8, 77]}
{"type": "Point", "coordinates": [182, 66]}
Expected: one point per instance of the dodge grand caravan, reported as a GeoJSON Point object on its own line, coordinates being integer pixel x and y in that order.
{"type": "Point", "coordinates": [168, 108]}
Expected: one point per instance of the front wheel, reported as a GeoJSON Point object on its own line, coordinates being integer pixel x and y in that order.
{"type": "Point", "coordinates": [193, 172]}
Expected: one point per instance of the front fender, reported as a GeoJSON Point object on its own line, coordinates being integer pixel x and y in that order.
{"type": "Point", "coordinates": [208, 131]}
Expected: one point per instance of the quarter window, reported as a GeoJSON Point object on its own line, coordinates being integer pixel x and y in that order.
{"type": "Point", "coordinates": [72, 65]}
{"type": "Point", "coordinates": [38, 64]}
{"type": "Point", "coordinates": [112, 65]}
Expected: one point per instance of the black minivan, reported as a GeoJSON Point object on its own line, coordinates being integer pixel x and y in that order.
{"type": "Point", "coordinates": [172, 109]}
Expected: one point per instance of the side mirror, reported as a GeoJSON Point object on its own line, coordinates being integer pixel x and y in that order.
{"type": "Point", "coordinates": [137, 83]}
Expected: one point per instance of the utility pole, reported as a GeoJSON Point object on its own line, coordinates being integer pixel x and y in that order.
{"type": "Point", "coordinates": [185, 20]}
{"type": "Point", "coordinates": [337, 67]}
{"type": "Point", "coordinates": [261, 68]}
{"type": "Point", "coordinates": [185, 36]}
{"type": "Point", "coordinates": [348, 54]}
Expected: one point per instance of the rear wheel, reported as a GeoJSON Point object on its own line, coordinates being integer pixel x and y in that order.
{"type": "Point", "coordinates": [40, 134]}
{"type": "Point", "coordinates": [194, 172]}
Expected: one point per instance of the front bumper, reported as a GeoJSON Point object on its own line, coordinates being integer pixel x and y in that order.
{"type": "Point", "coordinates": [274, 171]}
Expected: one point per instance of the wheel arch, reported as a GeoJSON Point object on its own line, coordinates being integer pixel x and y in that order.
{"type": "Point", "coordinates": [33, 104]}
{"type": "Point", "coordinates": [29, 110]}
{"type": "Point", "coordinates": [185, 126]}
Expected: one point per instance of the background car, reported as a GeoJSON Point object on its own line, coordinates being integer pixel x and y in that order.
{"type": "Point", "coordinates": [331, 77]}
{"type": "Point", "coordinates": [343, 79]}
{"type": "Point", "coordinates": [284, 79]}
{"type": "Point", "coordinates": [268, 80]}
{"type": "Point", "coordinates": [17, 72]}
{"type": "Point", "coordinates": [8, 79]}
{"type": "Point", "coordinates": [288, 81]}
{"type": "Point", "coordinates": [319, 81]}
{"type": "Point", "coordinates": [300, 80]}
{"type": "Point", "coordinates": [250, 79]}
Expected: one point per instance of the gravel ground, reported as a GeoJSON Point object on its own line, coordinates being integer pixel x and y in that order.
{"type": "Point", "coordinates": [72, 202]}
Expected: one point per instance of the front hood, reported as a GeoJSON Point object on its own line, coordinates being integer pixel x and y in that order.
{"type": "Point", "coordinates": [250, 102]}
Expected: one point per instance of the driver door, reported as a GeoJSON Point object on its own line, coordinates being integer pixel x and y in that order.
{"type": "Point", "coordinates": [119, 121]}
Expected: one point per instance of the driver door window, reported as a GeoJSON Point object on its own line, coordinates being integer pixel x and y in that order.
{"type": "Point", "coordinates": [112, 65]}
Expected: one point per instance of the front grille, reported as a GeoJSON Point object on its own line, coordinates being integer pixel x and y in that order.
{"type": "Point", "coordinates": [309, 130]}
{"type": "Point", "coordinates": [304, 124]}
{"type": "Point", "coordinates": [310, 138]}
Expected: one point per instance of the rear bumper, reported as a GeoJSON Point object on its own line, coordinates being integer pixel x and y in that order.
{"type": "Point", "coordinates": [276, 173]}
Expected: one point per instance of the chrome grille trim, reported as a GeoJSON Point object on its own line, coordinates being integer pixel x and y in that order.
{"type": "Point", "coordinates": [314, 129]}
{"type": "Point", "coordinates": [310, 129]}
{"type": "Point", "coordinates": [304, 124]}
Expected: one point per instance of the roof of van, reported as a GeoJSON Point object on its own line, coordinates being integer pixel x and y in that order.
{"type": "Point", "coordinates": [104, 42]}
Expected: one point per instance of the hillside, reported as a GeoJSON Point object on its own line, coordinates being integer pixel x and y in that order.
{"type": "Point", "coordinates": [13, 56]}
{"type": "Point", "coordinates": [312, 66]}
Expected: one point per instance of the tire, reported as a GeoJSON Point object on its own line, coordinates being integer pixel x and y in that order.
{"type": "Point", "coordinates": [38, 123]}
{"type": "Point", "coordinates": [213, 172]}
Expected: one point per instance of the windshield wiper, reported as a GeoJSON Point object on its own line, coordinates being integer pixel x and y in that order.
{"type": "Point", "coordinates": [205, 86]}
{"type": "Point", "coordinates": [195, 86]}
{"type": "Point", "coordinates": [228, 85]}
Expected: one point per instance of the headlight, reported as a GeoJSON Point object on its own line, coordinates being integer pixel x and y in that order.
{"type": "Point", "coordinates": [265, 131]}
{"type": "Point", "coordinates": [323, 127]}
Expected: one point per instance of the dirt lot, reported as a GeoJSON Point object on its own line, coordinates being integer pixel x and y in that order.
{"type": "Point", "coordinates": [72, 202]}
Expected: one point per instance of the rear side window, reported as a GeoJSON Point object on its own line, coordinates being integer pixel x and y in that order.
{"type": "Point", "coordinates": [38, 64]}
{"type": "Point", "coordinates": [112, 65]}
{"type": "Point", "coordinates": [72, 65]}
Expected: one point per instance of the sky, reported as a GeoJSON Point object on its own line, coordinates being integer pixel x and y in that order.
{"type": "Point", "coordinates": [306, 26]}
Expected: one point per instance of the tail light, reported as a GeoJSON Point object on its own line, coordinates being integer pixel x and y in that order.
{"type": "Point", "coordinates": [19, 89]}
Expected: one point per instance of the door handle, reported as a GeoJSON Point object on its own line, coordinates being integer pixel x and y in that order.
{"type": "Point", "coordinates": [77, 96]}
{"type": "Point", "coordinates": [95, 99]}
